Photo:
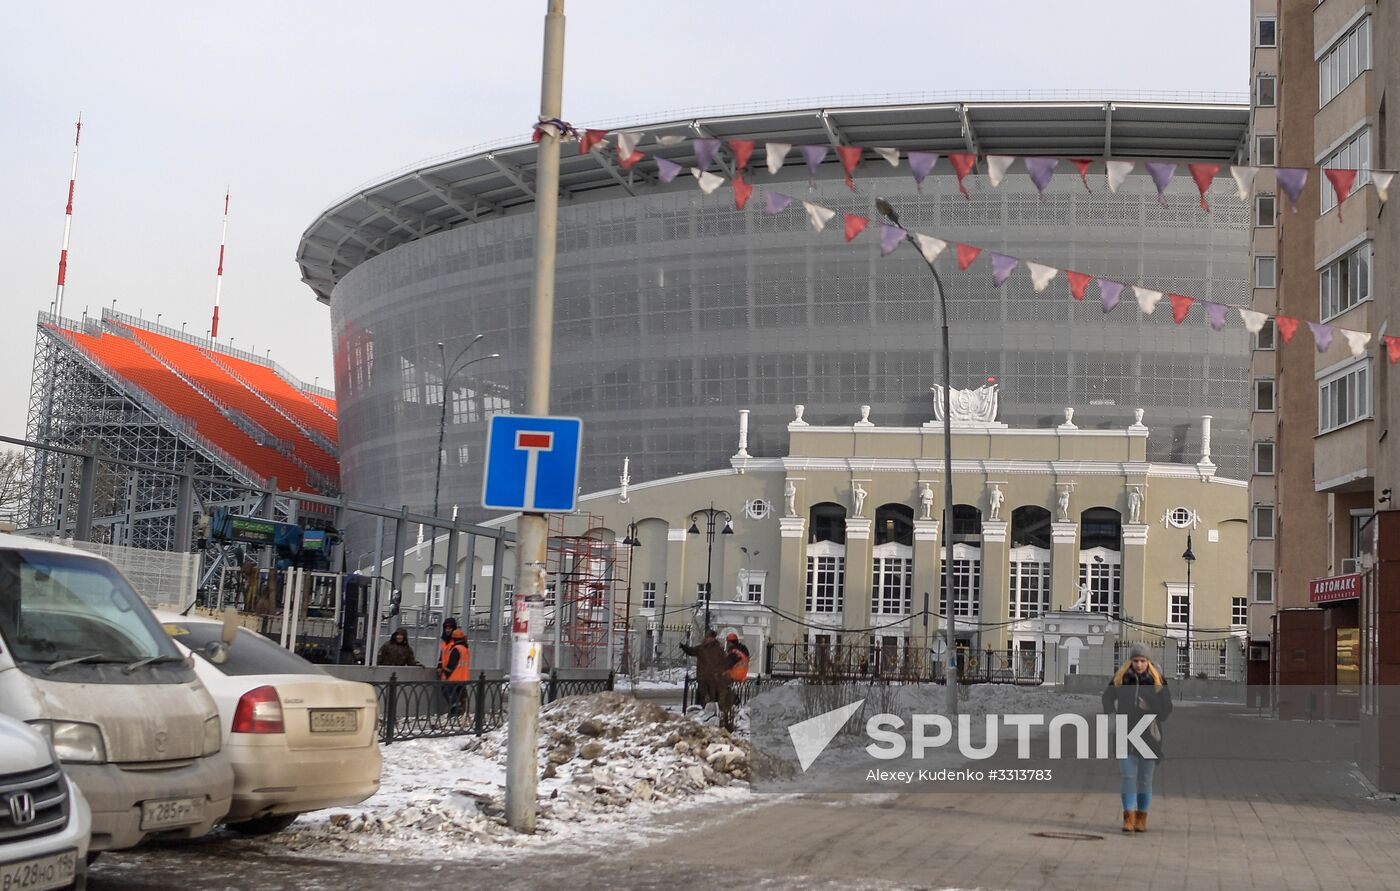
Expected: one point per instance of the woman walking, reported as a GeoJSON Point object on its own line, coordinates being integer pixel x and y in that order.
{"type": "Point", "coordinates": [1136, 690]}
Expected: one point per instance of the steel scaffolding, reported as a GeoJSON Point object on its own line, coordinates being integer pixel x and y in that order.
{"type": "Point", "coordinates": [591, 573]}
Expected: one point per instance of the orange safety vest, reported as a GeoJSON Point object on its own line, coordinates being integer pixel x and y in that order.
{"type": "Point", "coordinates": [740, 670]}
{"type": "Point", "coordinates": [463, 671]}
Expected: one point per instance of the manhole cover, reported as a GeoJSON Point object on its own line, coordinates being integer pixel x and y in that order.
{"type": "Point", "coordinates": [1070, 836]}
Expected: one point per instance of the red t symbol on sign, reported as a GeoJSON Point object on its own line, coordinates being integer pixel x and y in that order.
{"type": "Point", "coordinates": [532, 442]}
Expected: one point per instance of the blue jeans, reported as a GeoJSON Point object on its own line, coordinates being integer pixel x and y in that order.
{"type": "Point", "coordinates": [1136, 786]}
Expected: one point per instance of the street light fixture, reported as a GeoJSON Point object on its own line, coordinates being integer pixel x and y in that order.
{"type": "Point", "coordinates": [1190, 558]}
{"type": "Point", "coordinates": [711, 516]}
{"type": "Point", "coordinates": [888, 212]}
{"type": "Point", "coordinates": [449, 371]}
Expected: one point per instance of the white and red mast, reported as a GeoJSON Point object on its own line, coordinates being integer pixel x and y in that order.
{"type": "Point", "coordinates": [67, 224]}
{"type": "Point", "coordinates": [219, 282]}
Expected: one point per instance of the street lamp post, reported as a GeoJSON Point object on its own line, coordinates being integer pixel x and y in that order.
{"type": "Point", "coordinates": [888, 212]}
{"type": "Point", "coordinates": [1190, 558]}
{"type": "Point", "coordinates": [632, 542]}
{"type": "Point", "coordinates": [449, 371]}
{"type": "Point", "coordinates": [711, 516]}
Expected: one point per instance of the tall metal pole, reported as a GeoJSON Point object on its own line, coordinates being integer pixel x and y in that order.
{"type": "Point", "coordinates": [67, 224]}
{"type": "Point", "coordinates": [532, 530]}
{"type": "Point", "coordinates": [437, 486]}
{"type": "Point", "coordinates": [219, 283]}
{"type": "Point", "coordinates": [709, 565]}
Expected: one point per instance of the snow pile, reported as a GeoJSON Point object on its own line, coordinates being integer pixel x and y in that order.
{"type": "Point", "coordinates": [606, 760]}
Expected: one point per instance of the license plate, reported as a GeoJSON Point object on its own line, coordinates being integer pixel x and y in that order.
{"type": "Point", "coordinates": [53, 871]}
{"type": "Point", "coordinates": [341, 720]}
{"type": "Point", "coordinates": [171, 812]}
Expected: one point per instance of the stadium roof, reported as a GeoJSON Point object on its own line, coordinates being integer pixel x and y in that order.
{"type": "Point", "coordinates": [481, 185]}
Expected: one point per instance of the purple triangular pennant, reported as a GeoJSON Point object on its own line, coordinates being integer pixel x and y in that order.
{"type": "Point", "coordinates": [1041, 169]}
{"type": "Point", "coordinates": [920, 163]}
{"type": "Point", "coordinates": [1215, 312]}
{"type": "Point", "coordinates": [1110, 292]}
{"type": "Point", "coordinates": [1291, 180]}
{"type": "Point", "coordinates": [705, 152]}
{"type": "Point", "coordinates": [815, 155]}
{"type": "Point", "coordinates": [1161, 173]}
{"type": "Point", "coordinates": [890, 237]}
{"type": "Point", "coordinates": [667, 170]}
{"type": "Point", "coordinates": [1322, 334]}
{"type": "Point", "coordinates": [1002, 266]}
{"type": "Point", "coordinates": [775, 202]}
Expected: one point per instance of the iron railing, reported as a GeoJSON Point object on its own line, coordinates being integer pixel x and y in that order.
{"type": "Point", "coordinates": [434, 709]}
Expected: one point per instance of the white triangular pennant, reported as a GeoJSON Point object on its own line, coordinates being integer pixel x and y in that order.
{"type": "Point", "coordinates": [670, 139]}
{"type": "Point", "coordinates": [1147, 298]}
{"type": "Point", "coordinates": [818, 215]}
{"type": "Point", "coordinates": [1244, 179]}
{"type": "Point", "coordinates": [1357, 341]}
{"type": "Point", "coordinates": [996, 167]}
{"type": "Point", "coordinates": [1041, 275]}
{"type": "Point", "coordinates": [1117, 172]}
{"type": "Point", "coordinates": [929, 246]}
{"type": "Point", "coordinates": [627, 143]}
{"type": "Point", "coordinates": [889, 154]}
{"type": "Point", "coordinates": [708, 181]}
{"type": "Point", "coordinates": [1382, 179]}
{"type": "Point", "coordinates": [776, 153]}
{"type": "Point", "coordinates": [1253, 321]}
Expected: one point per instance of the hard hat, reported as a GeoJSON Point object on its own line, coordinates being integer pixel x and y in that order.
{"type": "Point", "coordinates": [732, 636]}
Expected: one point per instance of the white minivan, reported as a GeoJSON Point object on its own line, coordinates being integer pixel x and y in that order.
{"type": "Point", "coordinates": [84, 662]}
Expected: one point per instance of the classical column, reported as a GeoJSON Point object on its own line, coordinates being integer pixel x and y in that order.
{"type": "Point", "coordinates": [996, 590]}
{"type": "Point", "coordinates": [790, 595]}
{"type": "Point", "coordinates": [679, 601]}
{"type": "Point", "coordinates": [1135, 570]}
{"type": "Point", "coordinates": [859, 568]}
{"type": "Point", "coordinates": [926, 560]}
{"type": "Point", "coordinates": [1064, 564]}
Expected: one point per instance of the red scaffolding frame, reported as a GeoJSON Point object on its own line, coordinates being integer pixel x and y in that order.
{"type": "Point", "coordinates": [590, 573]}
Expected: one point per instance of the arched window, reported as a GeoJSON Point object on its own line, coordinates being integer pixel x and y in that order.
{"type": "Point", "coordinates": [893, 558]}
{"type": "Point", "coordinates": [1030, 525]}
{"type": "Point", "coordinates": [1029, 560]}
{"type": "Point", "coordinates": [967, 523]}
{"type": "Point", "coordinates": [894, 523]}
{"type": "Point", "coordinates": [1101, 561]}
{"type": "Point", "coordinates": [827, 522]}
{"type": "Point", "coordinates": [826, 559]}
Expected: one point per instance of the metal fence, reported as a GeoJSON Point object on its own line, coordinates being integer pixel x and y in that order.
{"type": "Point", "coordinates": [433, 709]}
{"type": "Point", "coordinates": [864, 661]}
{"type": "Point", "coordinates": [164, 579]}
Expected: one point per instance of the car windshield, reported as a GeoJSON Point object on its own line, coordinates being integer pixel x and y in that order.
{"type": "Point", "coordinates": [250, 654]}
{"type": "Point", "coordinates": [58, 607]}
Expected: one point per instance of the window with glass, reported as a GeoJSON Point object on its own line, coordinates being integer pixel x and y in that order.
{"type": "Point", "coordinates": [1101, 578]}
{"type": "Point", "coordinates": [1266, 32]}
{"type": "Point", "coordinates": [1265, 151]}
{"type": "Point", "coordinates": [702, 592]}
{"type": "Point", "coordinates": [1344, 398]}
{"type": "Point", "coordinates": [1183, 660]}
{"type": "Point", "coordinates": [826, 583]}
{"type": "Point", "coordinates": [1264, 521]}
{"type": "Point", "coordinates": [1263, 394]}
{"type": "Point", "coordinates": [1344, 62]}
{"type": "Point", "coordinates": [1265, 272]}
{"type": "Point", "coordinates": [1030, 582]}
{"type": "Point", "coordinates": [1265, 210]}
{"type": "Point", "coordinates": [1345, 282]}
{"type": "Point", "coordinates": [967, 583]}
{"type": "Point", "coordinates": [755, 592]}
{"type": "Point", "coordinates": [1263, 586]}
{"type": "Point", "coordinates": [1264, 340]}
{"type": "Point", "coordinates": [648, 595]}
{"type": "Point", "coordinates": [1223, 667]}
{"type": "Point", "coordinates": [893, 583]}
{"type": "Point", "coordinates": [1239, 611]}
{"type": "Point", "coordinates": [1265, 90]}
{"type": "Point", "coordinates": [1354, 154]}
{"type": "Point", "coordinates": [1348, 657]}
{"type": "Point", "coordinates": [1179, 605]}
{"type": "Point", "coordinates": [1264, 458]}
{"type": "Point", "coordinates": [408, 375]}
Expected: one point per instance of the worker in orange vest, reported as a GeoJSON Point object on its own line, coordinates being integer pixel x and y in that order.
{"type": "Point", "coordinates": [457, 670]}
{"type": "Point", "coordinates": [735, 671]}
{"type": "Point", "coordinates": [449, 625]}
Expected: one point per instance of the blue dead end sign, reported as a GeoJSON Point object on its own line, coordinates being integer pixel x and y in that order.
{"type": "Point", "coordinates": [532, 463]}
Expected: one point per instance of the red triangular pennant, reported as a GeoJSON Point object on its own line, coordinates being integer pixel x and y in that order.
{"type": "Point", "coordinates": [742, 149]}
{"type": "Point", "coordinates": [1287, 326]}
{"type": "Point", "coordinates": [590, 139]}
{"type": "Point", "coordinates": [855, 224]}
{"type": "Point", "coordinates": [1342, 180]}
{"type": "Point", "coordinates": [1082, 165]}
{"type": "Point", "coordinates": [966, 254]}
{"type": "Point", "coordinates": [1078, 281]}
{"type": "Point", "coordinates": [627, 162]}
{"type": "Point", "coordinates": [1203, 174]}
{"type": "Point", "coordinates": [742, 191]}
{"type": "Point", "coordinates": [1392, 347]}
{"type": "Point", "coordinates": [1181, 305]}
{"type": "Point", "coordinates": [850, 158]}
{"type": "Point", "coordinates": [963, 164]}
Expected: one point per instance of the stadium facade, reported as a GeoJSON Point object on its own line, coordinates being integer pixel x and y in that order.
{"type": "Point", "coordinates": [674, 310]}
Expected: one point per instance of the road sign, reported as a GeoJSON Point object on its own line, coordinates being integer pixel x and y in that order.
{"type": "Point", "coordinates": [531, 463]}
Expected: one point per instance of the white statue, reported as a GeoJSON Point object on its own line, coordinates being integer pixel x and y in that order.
{"type": "Point", "coordinates": [1135, 505]}
{"type": "Point", "coordinates": [859, 492]}
{"type": "Point", "coordinates": [995, 497]}
{"type": "Point", "coordinates": [798, 410]}
{"type": "Point", "coordinates": [1082, 604]}
{"type": "Point", "coordinates": [1137, 417]}
{"type": "Point", "coordinates": [978, 406]}
{"type": "Point", "coordinates": [741, 590]}
{"type": "Point", "coordinates": [1063, 502]}
{"type": "Point", "coordinates": [791, 493]}
{"type": "Point", "coordinates": [864, 417]}
{"type": "Point", "coordinates": [625, 480]}
{"type": "Point", "coordinates": [926, 501]}
{"type": "Point", "coordinates": [1069, 416]}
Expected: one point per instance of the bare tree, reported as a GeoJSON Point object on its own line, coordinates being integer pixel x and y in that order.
{"type": "Point", "coordinates": [13, 463]}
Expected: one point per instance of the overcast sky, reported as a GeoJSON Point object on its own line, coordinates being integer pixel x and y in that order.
{"type": "Point", "coordinates": [293, 104]}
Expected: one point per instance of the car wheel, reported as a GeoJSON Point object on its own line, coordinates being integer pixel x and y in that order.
{"type": "Point", "coordinates": [264, 825]}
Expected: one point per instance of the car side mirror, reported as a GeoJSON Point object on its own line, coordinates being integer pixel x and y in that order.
{"type": "Point", "coordinates": [216, 651]}
{"type": "Point", "coordinates": [230, 632]}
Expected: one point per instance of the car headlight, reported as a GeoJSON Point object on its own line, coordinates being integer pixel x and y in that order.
{"type": "Point", "coordinates": [73, 740]}
{"type": "Point", "coordinates": [213, 735]}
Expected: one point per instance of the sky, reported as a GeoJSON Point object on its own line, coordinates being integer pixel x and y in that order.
{"type": "Point", "coordinates": [292, 105]}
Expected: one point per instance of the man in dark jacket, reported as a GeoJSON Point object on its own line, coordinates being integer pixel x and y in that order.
{"type": "Point", "coordinates": [396, 650]}
{"type": "Point", "coordinates": [709, 667]}
{"type": "Point", "coordinates": [1138, 689]}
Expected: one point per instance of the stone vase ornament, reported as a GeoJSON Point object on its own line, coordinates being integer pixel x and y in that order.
{"type": "Point", "coordinates": [798, 410]}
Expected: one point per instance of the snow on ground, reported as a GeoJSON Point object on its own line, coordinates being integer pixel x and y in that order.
{"type": "Point", "coordinates": [655, 679]}
{"type": "Point", "coordinates": [612, 766]}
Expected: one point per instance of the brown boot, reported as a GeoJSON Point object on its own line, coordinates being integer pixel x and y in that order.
{"type": "Point", "coordinates": [1129, 821]}
{"type": "Point", "coordinates": [1139, 821]}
